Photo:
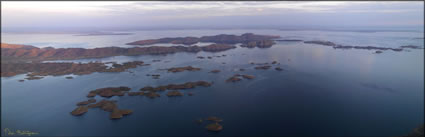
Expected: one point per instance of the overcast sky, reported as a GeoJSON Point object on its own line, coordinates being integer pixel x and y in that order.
{"type": "Point", "coordinates": [208, 14]}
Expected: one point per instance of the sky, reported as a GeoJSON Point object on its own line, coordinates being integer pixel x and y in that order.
{"type": "Point", "coordinates": [210, 14]}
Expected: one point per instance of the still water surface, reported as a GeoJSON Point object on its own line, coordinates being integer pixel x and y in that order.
{"type": "Point", "coordinates": [322, 91]}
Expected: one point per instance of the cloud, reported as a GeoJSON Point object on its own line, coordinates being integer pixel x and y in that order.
{"type": "Point", "coordinates": [186, 12]}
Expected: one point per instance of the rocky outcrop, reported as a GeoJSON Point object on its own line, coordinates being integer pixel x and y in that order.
{"type": "Point", "coordinates": [214, 127]}
{"type": "Point", "coordinates": [110, 106]}
{"type": "Point", "coordinates": [118, 113]}
{"type": "Point", "coordinates": [278, 69]}
{"type": "Point", "coordinates": [215, 71]}
{"type": "Point", "coordinates": [155, 76]}
{"type": "Point", "coordinates": [174, 93]}
{"type": "Point", "coordinates": [86, 102]}
{"type": "Point", "coordinates": [238, 77]}
{"type": "Point", "coordinates": [187, 85]}
{"type": "Point", "coordinates": [233, 79]}
{"type": "Point", "coordinates": [152, 94]}
{"type": "Point", "coordinates": [79, 111]}
{"type": "Point", "coordinates": [263, 67]}
{"type": "Point", "coordinates": [248, 76]}
{"type": "Point", "coordinates": [325, 43]}
{"type": "Point", "coordinates": [289, 40]}
{"type": "Point", "coordinates": [259, 44]}
{"type": "Point", "coordinates": [181, 69]}
{"type": "Point", "coordinates": [217, 47]}
{"type": "Point", "coordinates": [411, 46]}
{"type": "Point", "coordinates": [109, 92]}
{"type": "Point", "coordinates": [31, 77]}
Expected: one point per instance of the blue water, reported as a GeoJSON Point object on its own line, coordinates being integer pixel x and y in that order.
{"type": "Point", "coordinates": [322, 91]}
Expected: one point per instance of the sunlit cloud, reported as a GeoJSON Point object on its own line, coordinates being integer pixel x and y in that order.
{"type": "Point", "coordinates": [139, 12]}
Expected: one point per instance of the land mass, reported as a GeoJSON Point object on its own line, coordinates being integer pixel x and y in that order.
{"type": "Point", "coordinates": [62, 68]}
{"type": "Point", "coordinates": [24, 53]}
{"type": "Point", "coordinates": [339, 46]}
{"type": "Point", "coordinates": [220, 39]}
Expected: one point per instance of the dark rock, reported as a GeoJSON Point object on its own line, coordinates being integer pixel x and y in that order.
{"type": "Point", "coordinates": [214, 127]}
{"type": "Point", "coordinates": [79, 111]}
{"type": "Point", "coordinates": [100, 104]}
{"type": "Point", "coordinates": [259, 44]}
{"type": "Point", "coordinates": [397, 49]}
{"type": "Point", "coordinates": [411, 46]}
{"type": "Point", "coordinates": [325, 43]}
{"type": "Point", "coordinates": [248, 76]}
{"type": "Point", "coordinates": [109, 106]}
{"type": "Point", "coordinates": [69, 77]}
{"type": "Point", "coordinates": [200, 57]}
{"type": "Point", "coordinates": [117, 113]}
{"type": "Point", "coordinates": [33, 78]}
{"type": "Point", "coordinates": [91, 95]}
{"type": "Point", "coordinates": [180, 69]}
{"type": "Point", "coordinates": [152, 95]}
{"type": "Point", "coordinates": [263, 67]}
{"type": "Point", "coordinates": [215, 71]}
{"type": "Point", "coordinates": [155, 76]}
{"type": "Point", "coordinates": [289, 40]}
{"type": "Point", "coordinates": [109, 92]}
{"type": "Point", "coordinates": [86, 102]}
{"type": "Point", "coordinates": [174, 93]}
{"type": "Point", "coordinates": [274, 62]}
{"type": "Point", "coordinates": [233, 79]}
{"type": "Point", "coordinates": [241, 69]}
{"type": "Point", "coordinates": [278, 69]}
{"type": "Point", "coordinates": [378, 52]}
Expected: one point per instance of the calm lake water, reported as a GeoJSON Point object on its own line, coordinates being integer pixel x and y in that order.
{"type": "Point", "coordinates": [322, 91]}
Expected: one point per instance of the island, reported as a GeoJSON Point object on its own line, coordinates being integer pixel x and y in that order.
{"type": "Point", "coordinates": [36, 69]}
{"type": "Point", "coordinates": [219, 39]}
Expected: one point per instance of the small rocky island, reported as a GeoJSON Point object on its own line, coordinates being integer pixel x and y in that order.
{"type": "Point", "coordinates": [237, 77]}
{"type": "Point", "coordinates": [215, 126]}
{"type": "Point", "coordinates": [181, 69]}
{"type": "Point", "coordinates": [148, 91]}
{"type": "Point", "coordinates": [109, 92]}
